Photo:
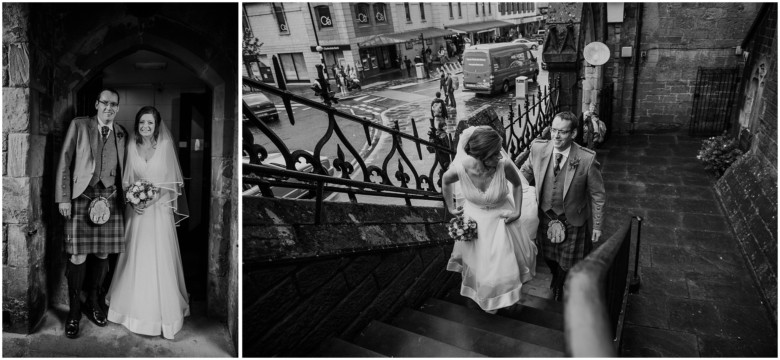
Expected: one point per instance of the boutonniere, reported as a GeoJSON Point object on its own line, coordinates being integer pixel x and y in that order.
{"type": "Point", "coordinates": [573, 163]}
{"type": "Point", "coordinates": [120, 135]}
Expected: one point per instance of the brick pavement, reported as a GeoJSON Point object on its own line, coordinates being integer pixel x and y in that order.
{"type": "Point", "coordinates": [697, 298]}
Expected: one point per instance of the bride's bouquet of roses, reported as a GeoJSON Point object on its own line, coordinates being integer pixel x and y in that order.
{"type": "Point", "coordinates": [462, 228]}
{"type": "Point", "coordinates": [141, 192]}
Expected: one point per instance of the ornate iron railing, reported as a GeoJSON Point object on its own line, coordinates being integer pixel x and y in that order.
{"type": "Point", "coordinates": [375, 180]}
{"type": "Point", "coordinates": [596, 296]}
{"type": "Point", "coordinates": [533, 121]}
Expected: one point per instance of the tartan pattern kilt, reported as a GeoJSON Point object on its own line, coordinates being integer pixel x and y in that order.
{"type": "Point", "coordinates": [83, 236]}
{"type": "Point", "coordinates": [567, 253]}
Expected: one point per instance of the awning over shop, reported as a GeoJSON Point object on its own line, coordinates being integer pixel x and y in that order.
{"type": "Point", "coordinates": [476, 27]}
{"type": "Point", "coordinates": [402, 37]}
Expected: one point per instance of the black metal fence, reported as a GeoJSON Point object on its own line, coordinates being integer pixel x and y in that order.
{"type": "Point", "coordinates": [713, 100]}
{"type": "Point", "coordinates": [533, 121]}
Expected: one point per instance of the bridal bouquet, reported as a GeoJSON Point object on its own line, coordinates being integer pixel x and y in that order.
{"type": "Point", "coordinates": [462, 228]}
{"type": "Point", "coordinates": [141, 192]}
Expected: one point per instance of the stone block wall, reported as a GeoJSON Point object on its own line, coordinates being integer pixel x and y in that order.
{"type": "Point", "coordinates": [748, 189]}
{"type": "Point", "coordinates": [27, 174]}
{"type": "Point", "coordinates": [677, 38]}
{"type": "Point", "coordinates": [364, 262]}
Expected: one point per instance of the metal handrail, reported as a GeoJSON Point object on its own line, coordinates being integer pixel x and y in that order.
{"type": "Point", "coordinates": [533, 119]}
{"type": "Point", "coordinates": [595, 297]}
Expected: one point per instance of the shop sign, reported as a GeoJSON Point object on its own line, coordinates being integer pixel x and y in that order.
{"type": "Point", "coordinates": [332, 48]}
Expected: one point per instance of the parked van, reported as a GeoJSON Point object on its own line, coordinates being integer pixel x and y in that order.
{"type": "Point", "coordinates": [489, 68]}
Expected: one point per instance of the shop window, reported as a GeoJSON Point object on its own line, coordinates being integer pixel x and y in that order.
{"type": "Point", "coordinates": [281, 19]}
{"type": "Point", "coordinates": [408, 12]}
{"type": "Point", "coordinates": [294, 67]}
{"type": "Point", "coordinates": [323, 16]}
{"type": "Point", "coordinates": [362, 14]}
{"type": "Point", "coordinates": [451, 11]}
{"type": "Point", "coordinates": [422, 11]}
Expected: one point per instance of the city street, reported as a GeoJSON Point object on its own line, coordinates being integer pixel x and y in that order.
{"type": "Point", "coordinates": [399, 100]}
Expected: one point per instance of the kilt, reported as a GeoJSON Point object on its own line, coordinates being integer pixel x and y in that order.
{"type": "Point", "coordinates": [568, 252]}
{"type": "Point", "coordinates": [83, 236]}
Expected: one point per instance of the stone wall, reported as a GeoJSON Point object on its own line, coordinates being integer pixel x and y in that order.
{"type": "Point", "coordinates": [677, 38]}
{"type": "Point", "coordinates": [364, 262]}
{"type": "Point", "coordinates": [748, 190]}
{"type": "Point", "coordinates": [27, 171]}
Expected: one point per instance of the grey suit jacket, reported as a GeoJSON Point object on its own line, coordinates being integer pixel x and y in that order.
{"type": "Point", "coordinates": [78, 149]}
{"type": "Point", "coordinates": [582, 186]}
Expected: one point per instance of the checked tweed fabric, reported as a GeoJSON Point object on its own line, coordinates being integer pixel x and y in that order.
{"type": "Point", "coordinates": [570, 251]}
{"type": "Point", "coordinates": [84, 237]}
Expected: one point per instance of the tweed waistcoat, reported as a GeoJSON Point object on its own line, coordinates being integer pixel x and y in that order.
{"type": "Point", "coordinates": [106, 161]}
{"type": "Point", "coordinates": [552, 188]}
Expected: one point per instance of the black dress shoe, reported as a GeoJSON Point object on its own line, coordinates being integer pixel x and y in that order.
{"type": "Point", "coordinates": [72, 328]}
{"type": "Point", "coordinates": [558, 294]}
{"type": "Point", "coordinates": [95, 314]}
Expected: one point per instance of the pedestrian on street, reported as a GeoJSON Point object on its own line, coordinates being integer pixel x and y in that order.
{"type": "Point", "coordinates": [408, 64]}
{"type": "Point", "coordinates": [449, 89]}
{"type": "Point", "coordinates": [438, 109]}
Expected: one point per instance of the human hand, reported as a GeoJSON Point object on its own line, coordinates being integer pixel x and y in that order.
{"type": "Point", "coordinates": [65, 209]}
{"type": "Point", "coordinates": [510, 217]}
{"type": "Point", "coordinates": [139, 209]}
{"type": "Point", "coordinates": [458, 211]}
{"type": "Point", "coordinates": [596, 236]}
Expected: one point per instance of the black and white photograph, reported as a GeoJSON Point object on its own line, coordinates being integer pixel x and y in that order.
{"type": "Point", "coordinates": [534, 179]}
{"type": "Point", "coordinates": [120, 191]}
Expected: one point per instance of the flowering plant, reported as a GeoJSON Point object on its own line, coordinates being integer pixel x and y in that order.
{"type": "Point", "coordinates": [573, 163]}
{"type": "Point", "coordinates": [718, 152]}
{"type": "Point", "coordinates": [141, 192]}
{"type": "Point", "coordinates": [462, 228]}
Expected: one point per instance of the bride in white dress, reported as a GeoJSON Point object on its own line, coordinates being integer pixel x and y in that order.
{"type": "Point", "coordinates": [496, 264]}
{"type": "Point", "coordinates": [147, 294]}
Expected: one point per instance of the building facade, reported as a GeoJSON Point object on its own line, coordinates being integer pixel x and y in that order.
{"type": "Point", "coordinates": [374, 38]}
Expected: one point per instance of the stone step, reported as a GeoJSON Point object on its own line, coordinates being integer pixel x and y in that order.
{"type": "Point", "coordinates": [531, 309]}
{"type": "Point", "coordinates": [335, 347]}
{"type": "Point", "coordinates": [530, 333]}
{"type": "Point", "coordinates": [392, 341]}
{"type": "Point", "coordinates": [468, 338]}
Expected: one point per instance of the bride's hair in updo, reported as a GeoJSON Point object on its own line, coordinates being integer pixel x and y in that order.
{"type": "Point", "coordinates": [484, 142]}
{"type": "Point", "coordinates": [157, 120]}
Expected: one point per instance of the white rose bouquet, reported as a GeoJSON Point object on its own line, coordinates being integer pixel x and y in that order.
{"type": "Point", "coordinates": [141, 192]}
{"type": "Point", "coordinates": [462, 228]}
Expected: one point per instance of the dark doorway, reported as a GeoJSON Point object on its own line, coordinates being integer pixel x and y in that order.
{"type": "Point", "coordinates": [194, 149]}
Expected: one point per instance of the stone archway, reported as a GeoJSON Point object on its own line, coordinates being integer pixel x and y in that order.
{"type": "Point", "coordinates": [56, 69]}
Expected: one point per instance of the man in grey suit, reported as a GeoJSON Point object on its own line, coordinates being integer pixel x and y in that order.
{"type": "Point", "coordinates": [94, 148]}
{"type": "Point", "coordinates": [570, 192]}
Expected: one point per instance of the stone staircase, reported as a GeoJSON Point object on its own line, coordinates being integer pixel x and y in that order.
{"type": "Point", "coordinates": [454, 326]}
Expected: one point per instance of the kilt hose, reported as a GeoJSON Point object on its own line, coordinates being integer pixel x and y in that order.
{"type": "Point", "coordinates": [83, 236]}
{"type": "Point", "coordinates": [568, 252]}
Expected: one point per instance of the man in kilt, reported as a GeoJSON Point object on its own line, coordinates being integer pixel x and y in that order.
{"type": "Point", "coordinates": [570, 191]}
{"type": "Point", "coordinates": [90, 165]}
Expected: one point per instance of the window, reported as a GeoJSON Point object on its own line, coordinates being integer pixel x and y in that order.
{"type": "Point", "coordinates": [476, 6]}
{"type": "Point", "coordinates": [408, 12]}
{"type": "Point", "coordinates": [460, 11]}
{"type": "Point", "coordinates": [483, 9]}
{"type": "Point", "coordinates": [281, 20]}
{"type": "Point", "coordinates": [533, 6]}
{"type": "Point", "coordinates": [361, 13]}
{"type": "Point", "coordinates": [422, 11]}
{"type": "Point", "coordinates": [501, 8]}
{"type": "Point", "coordinates": [380, 15]}
{"type": "Point", "coordinates": [451, 11]}
{"type": "Point", "coordinates": [490, 11]}
{"type": "Point", "coordinates": [294, 67]}
{"type": "Point", "coordinates": [522, 7]}
{"type": "Point", "coordinates": [323, 16]}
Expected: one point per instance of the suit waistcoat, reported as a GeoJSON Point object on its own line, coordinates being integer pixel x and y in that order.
{"type": "Point", "coordinates": [552, 188]}
{"type": "Point", "coordinates": [106, 161]}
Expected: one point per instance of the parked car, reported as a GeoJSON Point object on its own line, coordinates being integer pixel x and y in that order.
{"type": "Point", "coordinates": [262, 107]}
{"type": "Point", "coordinates": [489, 68]}
{"type": "Point", "coordinates": [526, 42]}
{"type": "Point", "coordinates": [540, 35]}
